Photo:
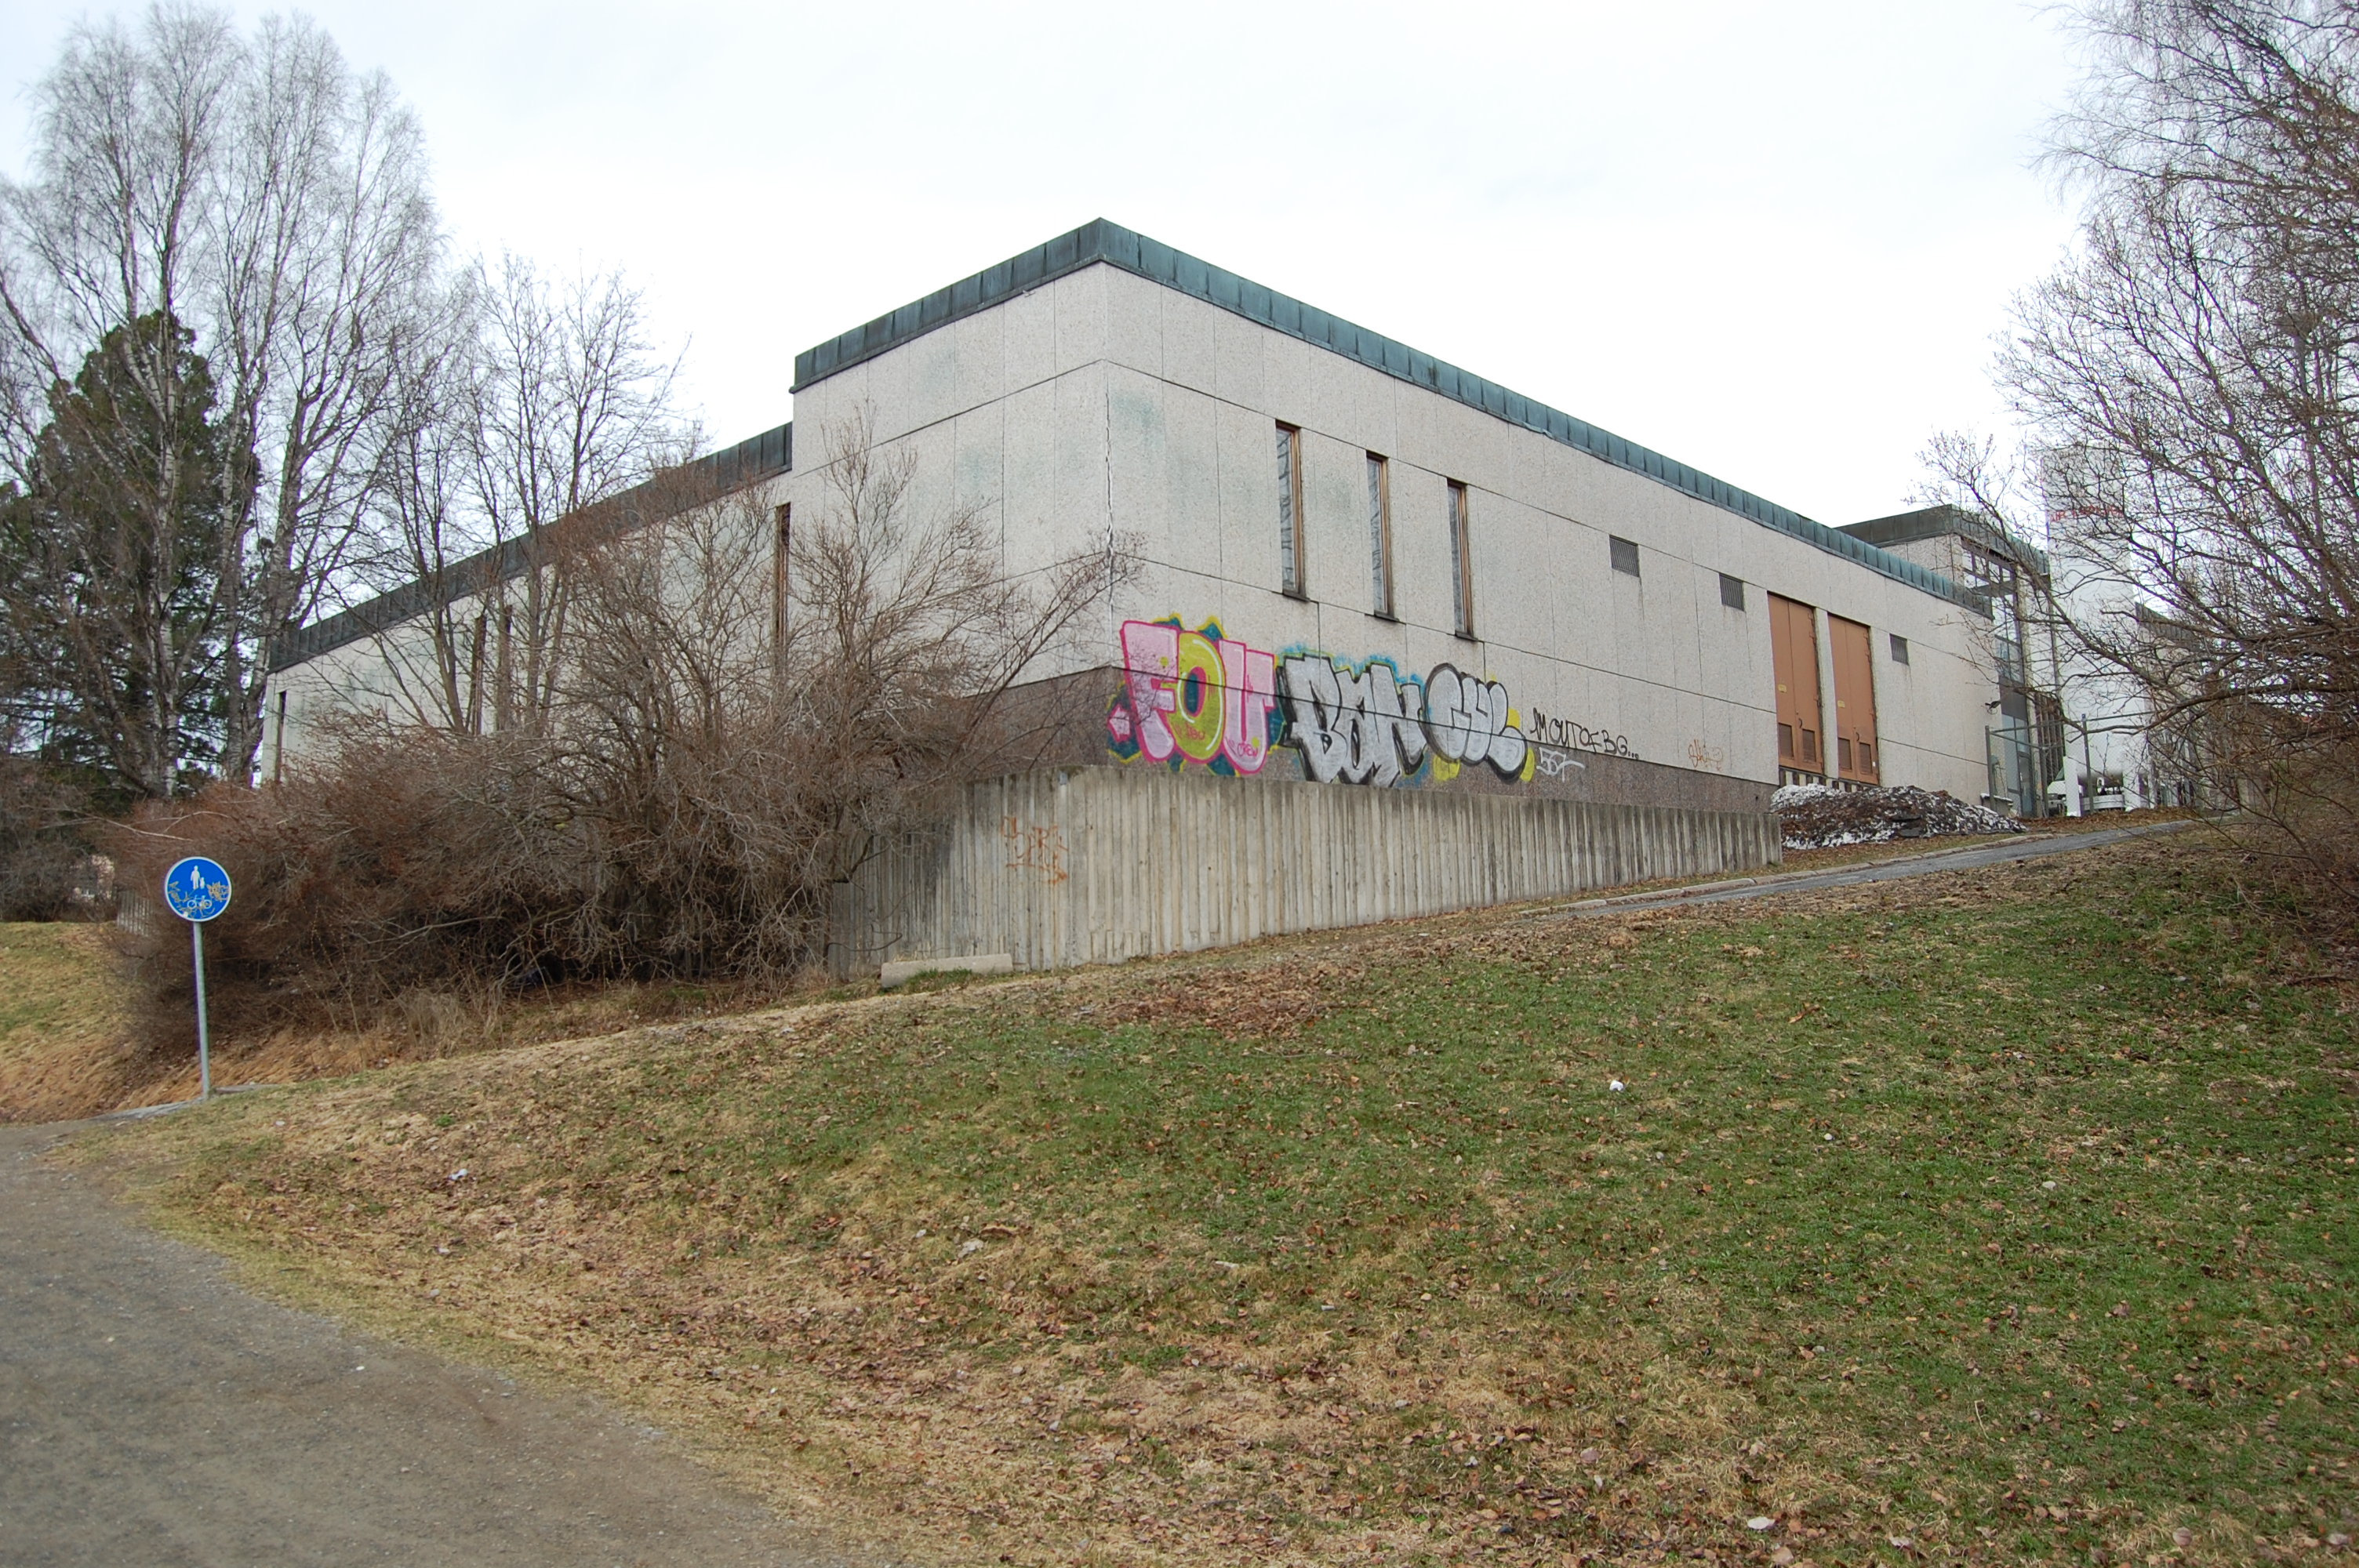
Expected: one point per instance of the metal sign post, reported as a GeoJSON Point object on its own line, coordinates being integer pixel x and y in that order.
{"type": "Point", "coordinates": [198, 889]}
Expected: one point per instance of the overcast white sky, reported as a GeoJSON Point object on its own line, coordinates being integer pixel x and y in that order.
{"type": "Point", "coordinates": [1771, 240]}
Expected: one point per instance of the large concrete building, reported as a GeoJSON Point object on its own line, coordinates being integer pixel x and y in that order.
{"type": "Point", "coordinates": [1354, 564]}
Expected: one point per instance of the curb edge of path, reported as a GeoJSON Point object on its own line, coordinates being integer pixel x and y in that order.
{"type": "Point", "coordinates": [2031, 846]}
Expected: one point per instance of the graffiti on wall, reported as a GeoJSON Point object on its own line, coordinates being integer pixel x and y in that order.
{"type": "Point", "coordinates": [1469, 720]}
{"type": "Point", "coordinates": [1194, 697]}
{"type": "Point", "coordinates": [1199, 696]}
{"type": "Point", "coordinates": [1554, 763]}
{"type": "Point", "coordinates": [1352, 726]}
{"type": "Point", "coordinates": [1369, 724]}
{"type": "Point", "coordinates": [1035, 848]}
{"type": "Point", "coordinates": [1568, 735]}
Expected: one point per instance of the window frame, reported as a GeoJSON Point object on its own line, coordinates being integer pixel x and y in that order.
{"type": "Point", "coordinates": [1292, 540]}
{"type": "Point", "coordinates": [1462, 557]}
{"type": "Point", "coordinates": [1897, 648]}
{"type": "Point", "coordinates": [1732, 593]}
{"type": "Point", "coordinates": [1617, 550]}
{"type": "Point", "coordinates": [782, 524]}
{"type": "Point", "coordinates": [1380, 536]}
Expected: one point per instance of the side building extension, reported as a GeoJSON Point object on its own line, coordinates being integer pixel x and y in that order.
{"type": "Point", "coordinates": [2024, 734]}
{"type": "Point", "coordinates": [1356, 566]}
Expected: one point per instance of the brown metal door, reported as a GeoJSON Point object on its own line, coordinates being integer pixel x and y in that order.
{"type": "Point", "coordinates": [1794, 655]}
{"type": "Point", "coordinates": [1855, 746]}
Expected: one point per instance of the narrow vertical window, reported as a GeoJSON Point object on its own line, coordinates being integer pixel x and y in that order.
{"type": "Point", "coordinates": [783, 523]}
{"type": "Point", "coordinates": [1290, 511]}
{"type": "Point", "coordinates": [1380, 533]}
{"type": "Point", "coordinates": [1461, 563]}
{"type": "Point", "coordinates": [503, 673]}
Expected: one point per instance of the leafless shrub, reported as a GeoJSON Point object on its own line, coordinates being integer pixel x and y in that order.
{"type": "Point", "coordinates": [47, 870]}
{"type": "Point", "coordinates": [707, 773]}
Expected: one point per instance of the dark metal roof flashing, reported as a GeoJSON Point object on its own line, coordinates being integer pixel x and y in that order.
{"type": "Point", "coordinates": [731, 468]}
{"type": "Point", "coordinates": [1101, 242]}
{"type": "Point", "coordinates": [1943, 520]}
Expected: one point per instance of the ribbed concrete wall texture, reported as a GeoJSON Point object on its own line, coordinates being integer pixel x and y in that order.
{"type": "Point", "coordinates": [1096, 865]}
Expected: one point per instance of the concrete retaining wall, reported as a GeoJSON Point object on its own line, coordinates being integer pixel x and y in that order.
{"type": "Point", "coordinates": [1096, 865]}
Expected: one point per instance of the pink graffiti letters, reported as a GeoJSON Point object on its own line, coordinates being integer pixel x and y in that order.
{"type": "Point", "coordinates": [1194, 697]}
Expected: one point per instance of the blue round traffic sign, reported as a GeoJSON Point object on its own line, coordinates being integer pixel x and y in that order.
{"type": "Point", "coordinates": [197, 889]}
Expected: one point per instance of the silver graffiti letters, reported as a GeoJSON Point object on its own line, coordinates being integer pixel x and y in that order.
{"type": "Point", "coordinates": [1467, 720]}
{"type": "Point", "coordinates": [1351, 726]}
{"type": "Point", "coordinates": [1373, 725]}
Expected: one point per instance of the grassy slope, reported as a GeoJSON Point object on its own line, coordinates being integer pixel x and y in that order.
{"type": "Point", "coordinates": [63, 1026]}
{"type": "Point", "coordinates": [2004, 1215]}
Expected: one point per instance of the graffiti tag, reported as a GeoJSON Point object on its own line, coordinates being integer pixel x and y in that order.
{"type": "Point", "coordinates": [1567, 735]}
{"type": "Point", "coordinates": [1032, 847]}
{"type": "Point", "coordinates": [1708, 758]}
{"type": "Point", "coordinates": [1194, 697]}
{"type": "Point", "coordinates": [1469, 721]}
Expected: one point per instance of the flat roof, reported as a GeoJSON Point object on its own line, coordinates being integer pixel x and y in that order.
{"type": "Point", "coordinates": [1939, 521]}
{"type": "Point", "coordinates": [1102, 243]}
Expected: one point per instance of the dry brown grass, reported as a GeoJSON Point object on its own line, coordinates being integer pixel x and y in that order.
{"type": "Point", "coordinates": [103, 1053]}
{"type": "Point", "coordinates": [77, 1039]}
{"type": "Point", "coordinates": [814, 1373]}
{"type": "Point", "coordinates": [67, 1043]}
{"type": "Point", "coordinates": [750, 1231]}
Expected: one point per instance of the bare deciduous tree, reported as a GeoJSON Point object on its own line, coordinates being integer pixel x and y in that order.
{"type": "Point", "coordinates": [570, 407]}
{"type": "Point", "coordinates": [519, 419]}
{"type": "Point", "coordinates": [259, 194]}
{"type": "Point", "coordinates": [2191, 380]}
{"type": "Point", "coordinates": [328, 244]}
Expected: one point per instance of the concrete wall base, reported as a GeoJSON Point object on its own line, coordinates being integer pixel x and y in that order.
{"type": "Point", "coordinates": [1080, 865]}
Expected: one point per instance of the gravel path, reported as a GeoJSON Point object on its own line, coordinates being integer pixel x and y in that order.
{"type": "Point", "coordinates": [2031, 847]}
{"type": "Point", "coordinates": [152, 1413]}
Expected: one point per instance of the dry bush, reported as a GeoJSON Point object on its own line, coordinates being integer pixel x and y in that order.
{"type": "Point", "coordinates": [707, 775]}
{"type": "Point", "coordinates": [47, 872]}
{"type": "Point", "coordinates": [2298, 784]}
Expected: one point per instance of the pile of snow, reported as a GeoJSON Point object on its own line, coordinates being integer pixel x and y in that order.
{"type": "Point", "coordinates": [1820, 817]}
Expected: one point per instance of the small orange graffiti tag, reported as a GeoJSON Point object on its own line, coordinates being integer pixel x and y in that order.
{"type": "Point", "coordinates": [1032, 848]}
{"type": "Point", "coordinates": [1702, 756]}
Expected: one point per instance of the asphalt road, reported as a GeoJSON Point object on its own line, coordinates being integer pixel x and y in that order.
{"type": "Point", "coordinates": [153, 1415]}
{"type": "Point", "coordinates": [2031, 847]}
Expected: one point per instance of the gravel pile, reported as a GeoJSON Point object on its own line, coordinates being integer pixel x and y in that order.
{"type": "Point", "coordinates": [1820, 817]}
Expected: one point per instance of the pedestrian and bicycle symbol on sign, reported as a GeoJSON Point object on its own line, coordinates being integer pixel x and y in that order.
{"type": "Point", "coordinates": [197, 889]}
